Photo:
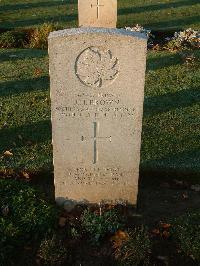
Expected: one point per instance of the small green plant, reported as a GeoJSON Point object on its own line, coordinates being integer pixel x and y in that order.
{"type": "Point", "coordinates": [53, 252]}
{"type": "Point", "coordinates": [12, 39]}
{"type": "Point", "coordinates": [39, 36]}
{"type": "Point", "coordinates": [186, 232]}
{"type": "Point", "coordinates": [7, 40]}
{"type": "Point", "coordinates": [24, 216]}
{"type": "Point", "coordinates": [74, 233]}
{"type": "Point", "coordinates": [98, 226]}
{"type": "Point", "coordinates": [135, 249]}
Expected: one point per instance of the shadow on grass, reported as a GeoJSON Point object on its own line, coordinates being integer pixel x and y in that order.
{"type": "Point", "coordinates": [38, 21]}
{"type": "Point", "coordinates": [10, 55]}
{"type": "Point", "coordinates": [44, 181]}
{"type": "Point", "coordinates": [159, 196]}
{"type": "Point", "coordinates": [157, 7]}
{"type": "Point", "coordinates": [188, 162]}
{"type": "Point", "coordinates": [163, 61]}
{"type": "Point", "coordinates": [168, 102]}
{"type": "Point", "coordinates": [20, 86]}
{"type": "Point", "coordinates": [157, 203]}
{"type": "Point", "coordinates": [38, 4]}
{"type": "Point", "coordinates": [30, 134]}
{"type": "Point", "coordinates": [174, 24]}
{"type": "Point", "coordinates": [184, 165]}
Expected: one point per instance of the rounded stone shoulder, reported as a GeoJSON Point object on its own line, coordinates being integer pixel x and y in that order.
{"type": "Point", "coordinates": [84, 30]}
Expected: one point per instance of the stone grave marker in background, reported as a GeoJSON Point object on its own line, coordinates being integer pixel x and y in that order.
{"type": "Point", "coordinates": [97, 92]}
{"type": "Point", "coordinates": [97, 13]}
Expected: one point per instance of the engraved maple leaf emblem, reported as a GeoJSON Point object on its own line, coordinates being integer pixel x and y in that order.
{"type": "Point", "coordinates": [96, 67]}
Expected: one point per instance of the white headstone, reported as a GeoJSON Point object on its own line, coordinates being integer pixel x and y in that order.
{"type": "Point", "coordinates": [97, 92]}
{"type": "Point", "coordinates": [97, 13]}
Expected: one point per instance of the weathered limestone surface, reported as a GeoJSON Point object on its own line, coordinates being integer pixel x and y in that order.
{"type": "Point", "coordinates": [97, 92]}
{"type": "Point", "coordinates": [97, 13]}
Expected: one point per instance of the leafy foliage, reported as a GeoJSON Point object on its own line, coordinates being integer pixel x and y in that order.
{"type": "Point", "coordinates": [53, 252]}
{"type": "Point", "coordinates": [186, 232]}
{"type": "Point", "coordinates": [39, 36]}
{"type": "Point", "coordinates": [7, 40]}
{"type": "Point", "coordinates": [12, 39]}
{"type": "Point", "coordinates": [98, 226]}
{"type": "Point", "coordinates": [24, 216]}
{"type": "Point", "coordinates": [135, 249]}
{"type": "Point", "coordinates": [187, 39]}
{"type": "Point", "coordinates": [32, 38]}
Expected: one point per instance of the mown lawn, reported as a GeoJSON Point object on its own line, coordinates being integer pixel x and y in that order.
{"type": "Point", "coordinates": [171, 128]}
{"type": "Point", "coordinates": [153, 14]}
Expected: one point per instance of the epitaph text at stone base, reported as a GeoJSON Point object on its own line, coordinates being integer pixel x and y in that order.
{"type": "Point", "coordinates": [97, 92]}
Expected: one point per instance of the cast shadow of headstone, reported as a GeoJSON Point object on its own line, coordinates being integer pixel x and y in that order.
{"type": "Point", "coordinates": [44, 181]}
{"type": "Point", "coordinates": [15, 87]}
{"type": "Point", "coordinates": [170, 101]}
{"type": "Point", "coordinates": [10, 55]}
{"type": "Point", "coordinates": [38, 21]}
{"type": "Point", "coordinates": [163, 61]}
{"type": "Point", "coordinates": [24, 6]}
{"type": "Point", "coordinates": [179, 23]}
{"type": "Point", "coordinates": [159, 196]}
{"type": "Point", "coordinates": [33, 133]}
{"type": "Point", "coordinates": [156, 7]}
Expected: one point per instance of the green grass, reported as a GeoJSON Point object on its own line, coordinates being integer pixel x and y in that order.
{"type": "Point", "coordinates": [153, 14]}
{"type": "Point", "coordinates": [171, 130]}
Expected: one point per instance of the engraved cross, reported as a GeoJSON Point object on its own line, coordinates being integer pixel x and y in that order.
{"type": "Point", "coordinates": [95, 138]}
{"type": "Point", "coordinates": [98, 7]}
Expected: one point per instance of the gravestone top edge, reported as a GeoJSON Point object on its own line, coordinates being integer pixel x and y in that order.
{"type": "Point", "coordinates": [89, 30]}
